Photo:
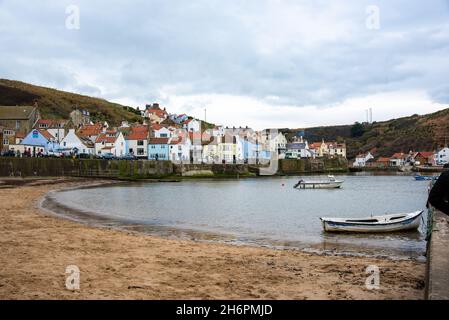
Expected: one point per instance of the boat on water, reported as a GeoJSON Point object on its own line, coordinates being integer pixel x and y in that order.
{"type": "Point", "coordinates": [385, 223]}
{"type": "Point", "coordinates": [422, 178]}
{"type": "Point", "coordinates": [329, 183]}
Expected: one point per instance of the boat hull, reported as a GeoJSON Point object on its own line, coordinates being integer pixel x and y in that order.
{"type": "Point", "coordinates": [319, 185]}
{"type": "Point", "coordinates": [411, 223]}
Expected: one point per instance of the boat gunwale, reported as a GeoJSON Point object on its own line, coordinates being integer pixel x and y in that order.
{"type": "Point", "coordinates": [416, 215]}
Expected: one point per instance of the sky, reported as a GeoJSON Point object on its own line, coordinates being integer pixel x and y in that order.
{"type": "Point", "coordinates": [257, 63]}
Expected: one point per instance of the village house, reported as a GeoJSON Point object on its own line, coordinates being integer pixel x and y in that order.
{"type": "Point", "coordinates": [155, 113]}
{"type": "Point", "coordinates": [74, 144]}
{"type": "Point", "coordinates": [91, 131]}
{"type": "Point", "coordinates": [192, 125]}
{"type": "Point", "coordinates": [137, 141]}
{"type": "Point", "coordinates": [57, 128]}
{"type": "Point", "coordinates": [80, 117]}
{"type": "Point", "coordinates": [158, 149]}
{"type": "Point", "coordinates": [361, 159]}
{"type": "Point", "coordinates": [383, 162]}
{"type": "Point", "coordinates": [210, 151]}
{"type": "Point", "coordinates": [298, 150]}
{"type": "Point", "coordinates": [40, 142]}
{"type": "Point", "coordinates": [160, 132]}
{"type": "Point", "coordinates": [423, 158]}
{"type": "Point", "coordinates": [110, 141]}
{"type": "Point", "coordinates": [19, 118]}
{"type": "Point", "coordinates": [179, 149]}
{"type": "Point", "coordinates": [1, 139]}
{"type": "Point", "coordinates": [442, 156]}
{"type": "Point", "coordinates": [336, 149]}
{"type": "Point", "coordinates": [398, 159]}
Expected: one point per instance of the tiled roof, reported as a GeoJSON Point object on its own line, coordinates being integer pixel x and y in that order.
{"type": "Point", "coordinates": [90, 130]}
{"type": "Point", "coordinates": [398, 155]}
{"type": "Point", "coordinates": [52, 123]}
{"type": "Point", "coordinates": [46, 134]}
{"type": "Point", "coordinates": [158, 141]}
{"type": "Point", "coordinates": [383, 159]}
{"type": "Point", "coordinates": [104, 137]}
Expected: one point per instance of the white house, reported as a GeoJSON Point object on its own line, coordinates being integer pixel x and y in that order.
{"type": "Point", "coordinates": [137, 142]}
{"type": "Point", "coordinates": [442, 156]}
{"type": "Point", "coordinates": [192, 125]}
{"type": "Point", "coordinates": [398, 159]}
{"type": "Point", "coordinates": [298, 150]}
{"type": "Point", "coordinates": [110, 142]}
{"type": "Point", "coordinates": [57, 128]}
{"type": "Point", "coordinates": [179, 149]}
{"type": "Point", "coordinates": [160, 131]}
{"type": "Point", "coordinates": [361, 159]}
{"type": "Point", "coordinates": [74, 144]}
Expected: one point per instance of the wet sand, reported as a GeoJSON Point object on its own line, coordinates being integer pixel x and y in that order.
{"type": "Point", "coordinates": [36, 247]}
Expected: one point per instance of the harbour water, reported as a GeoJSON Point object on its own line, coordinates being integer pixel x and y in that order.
{"type": "Point", "coordinates": [266, 212]}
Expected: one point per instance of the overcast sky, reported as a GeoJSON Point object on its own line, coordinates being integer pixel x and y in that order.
{"type": "Point", "coordinates": [249, 62]}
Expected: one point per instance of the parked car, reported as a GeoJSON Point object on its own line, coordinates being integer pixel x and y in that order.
{"type": "Point", "coordinates": [128, 156]}
{"type": "Point", "coordinates": [9, 153]}
{"type": "Point", "coordinates": [108, 156]}
{"type": "Point", "coordinates": [84, 156]}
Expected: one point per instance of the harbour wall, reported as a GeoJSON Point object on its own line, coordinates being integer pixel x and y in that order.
{"type": "Point", "coordinates": [147, 169]}
{"type": "Point", "coordinates": [437, 277]}
{"type": "Point", "coordinates": [322, 165]}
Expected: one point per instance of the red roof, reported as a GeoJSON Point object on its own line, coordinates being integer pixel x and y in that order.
{"type": "Point", "coordinates": [425, 154]}
{"type": "Point", "coordinates": [104, 137]}
{"type": "Point", "coordinates": [383, 159]}
{"type": "Point", "coordinates": [139, 135]}
{"type": "Point", "coordinates": [158, 141]}
{"type": "Point", "coordinates": [46, 134]}
{"type": "Point", "coordinates": [399, 155]}
{"type": "Point", "coordinates": [90, 130]}
{"type": "Point", "coordinates": [156, 126]}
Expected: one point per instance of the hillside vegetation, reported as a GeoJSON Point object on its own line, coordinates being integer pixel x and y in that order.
{"type": "Point", "coordinates": [58, 104]}
{"type": "Point", "coordinates": [417, 132]}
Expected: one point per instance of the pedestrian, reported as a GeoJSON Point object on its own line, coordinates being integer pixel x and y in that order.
{"type": "Point", "coordinates": [439, 195]}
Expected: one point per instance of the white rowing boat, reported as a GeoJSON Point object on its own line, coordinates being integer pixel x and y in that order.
{"type": "Point", "coordinates": [330, 183]}
{"type": "Point", "coordinates": [385, 223]}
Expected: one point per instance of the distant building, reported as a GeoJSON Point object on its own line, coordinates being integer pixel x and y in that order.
{"type": "Point", "coordinates": [442, 156]}
{"type": "Point", "coordinates": [80, 117]}
{"type": "Point", "coordinates": [424, 158]}
{"type": "Point", "coordinates": [398, 159]}
{"type": "Point", "coordinates": [361, 159]}
{"type": "Point", "coordinates": [110, 142]}
{"type": "Point", "coordinates": [155, 113]}
{"type": "Point", "coordinates": [19, 118]}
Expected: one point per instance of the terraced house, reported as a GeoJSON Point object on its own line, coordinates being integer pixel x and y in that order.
{"type": "Point", "coordinates": [19, 118]}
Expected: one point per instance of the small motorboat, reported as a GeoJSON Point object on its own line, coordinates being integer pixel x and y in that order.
{"type": "Point", "coordinates": [330, 183]}
{"type": "Point", "coordinates": [425, 178]}
{"type": "Point", "coordinates": [386, 223]}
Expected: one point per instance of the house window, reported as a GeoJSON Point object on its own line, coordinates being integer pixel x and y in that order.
{"type": "Point", "coordinates": [17, 124]}
{"type": "Point", "coordinates": [163, 135]}
{"type": "Point", "coordinates": [140, 142]}
{"type": "Point", "coordinates": [8, 132]}
{"type": "Point", "coordinates": [131, 150]}
{"type": "Point", "coordinates": [5, 142]}
{"type": "Point", "coordinates": [140, 151]}
{"type": "Point", "coordinates": [65, 143]}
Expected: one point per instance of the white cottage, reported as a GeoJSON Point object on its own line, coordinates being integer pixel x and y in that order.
{"type": "Point", "coordinates": [75, 144]}
{"type": "Point", "coordinates": [442, 156]}
{"type": "Point", "coordinates": [361, 159]}
{"type": "Point", "coordinates": [110, 142]}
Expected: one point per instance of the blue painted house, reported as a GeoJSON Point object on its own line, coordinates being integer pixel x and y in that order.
{"type": "Point", "coordinates": [40, 141]}
{"type": "Point", "coordinates": [158, 149]}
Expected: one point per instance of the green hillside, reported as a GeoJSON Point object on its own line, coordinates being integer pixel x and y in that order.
{"type": "Point", "coordinates": [418, 133]}
{"type": "Point", "coordinates": [58, 104]}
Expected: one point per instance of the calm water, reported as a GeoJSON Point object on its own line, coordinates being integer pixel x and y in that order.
{"type": "Point", "coordinates": [263, 211]}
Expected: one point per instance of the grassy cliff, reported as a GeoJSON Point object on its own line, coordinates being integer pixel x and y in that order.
{"type": "Point", "coordinates": [416, 132]}
{"type": "Point", "coordinates": [58, 104]}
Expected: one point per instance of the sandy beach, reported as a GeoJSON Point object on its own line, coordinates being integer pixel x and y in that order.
{"type": "Point", "coordinates": [36, 247]}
